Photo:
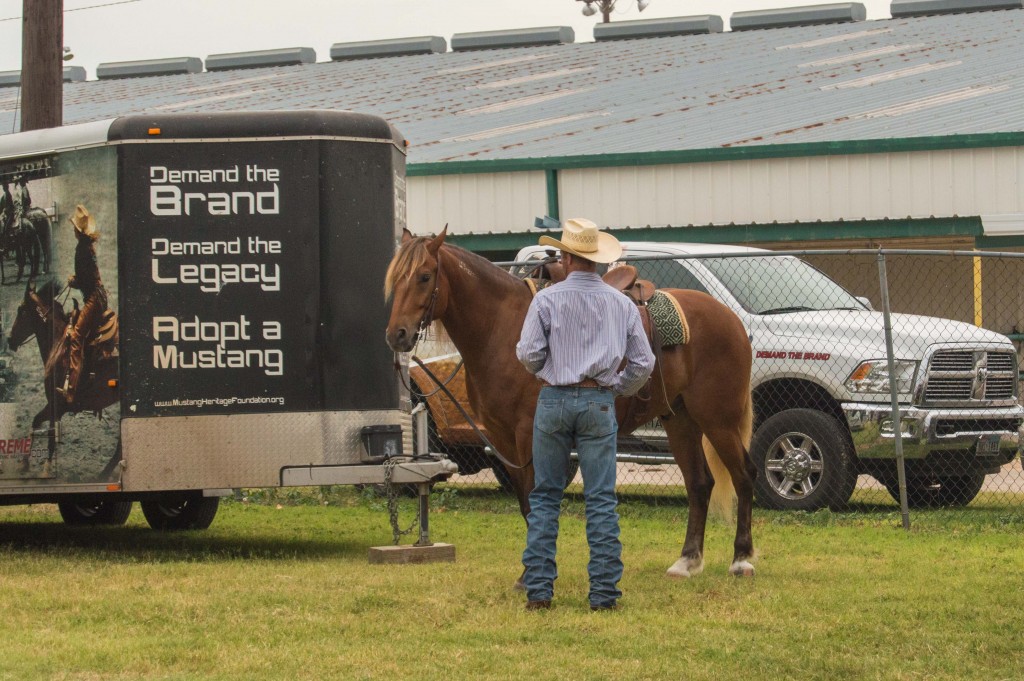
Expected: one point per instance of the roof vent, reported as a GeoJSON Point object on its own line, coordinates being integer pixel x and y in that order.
{"type": "Point", "coordinates": [70, 74]}
{"type": "Point", "coordinates": [73, 74]}
{"type": "Point", "coordinates": [658, 28]}
{"type": "Point", "coordinates": [522, 37]}
{"type": "Point", "coordinates": [396, 47]}
{"type": "Point", "coordinates": [149, 67]}
{"type": "Point", "coordinates": [920, 8]}
{"type": "Point", "coordinates": [289, 56]}
{"type": "Point", "coordinates": [798, 16]}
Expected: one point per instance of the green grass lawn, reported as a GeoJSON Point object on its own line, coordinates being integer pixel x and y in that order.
{"type": "Point", "coordinates": [280, 588]}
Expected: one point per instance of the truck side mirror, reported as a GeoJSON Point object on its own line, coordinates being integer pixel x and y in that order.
{"type": "Point", "coordinates": [865, 301]}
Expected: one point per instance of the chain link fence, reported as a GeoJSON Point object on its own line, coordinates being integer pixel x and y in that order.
{"type": "Point", "coordinates": [877, 375]}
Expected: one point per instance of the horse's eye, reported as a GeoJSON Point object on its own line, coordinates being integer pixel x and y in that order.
{"type": "Point", "coordinates": [425, 277]}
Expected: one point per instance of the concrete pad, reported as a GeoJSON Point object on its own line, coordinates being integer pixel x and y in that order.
{"type": "Point", "coordinates": [435, 553]}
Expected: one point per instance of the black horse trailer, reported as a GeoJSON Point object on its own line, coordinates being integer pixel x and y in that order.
{"type": "Point", "coordinates": [193, 304]}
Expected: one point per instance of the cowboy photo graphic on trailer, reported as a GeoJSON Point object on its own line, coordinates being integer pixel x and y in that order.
{"type": "Point", "coordinates": [59, 412]}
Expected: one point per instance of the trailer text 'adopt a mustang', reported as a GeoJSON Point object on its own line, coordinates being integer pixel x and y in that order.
{"type": "Point", "coordinates": [192, 304]}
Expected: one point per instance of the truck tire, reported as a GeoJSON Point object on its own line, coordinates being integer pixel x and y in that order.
{"type": "Point", "coordinates": [804, 461]}
{"type": "Point", "coordinates": [505, 480]}
{"type": "Point", "coordinates": [93, 513]}
{"type": "Point", "coordinates": [171, 512]}
{"type": "Point", "coordinates": [938, 491]}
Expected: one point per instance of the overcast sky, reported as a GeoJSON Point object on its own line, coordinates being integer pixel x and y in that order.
{"type": "Point", "coordinates": [128, 30]}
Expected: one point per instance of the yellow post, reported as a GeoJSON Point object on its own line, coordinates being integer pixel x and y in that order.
{"type": "Point", "coordinates": [977, 291]}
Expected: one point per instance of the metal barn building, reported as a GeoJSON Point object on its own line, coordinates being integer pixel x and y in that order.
{"type": "Point", "coordinates": [797, 126]}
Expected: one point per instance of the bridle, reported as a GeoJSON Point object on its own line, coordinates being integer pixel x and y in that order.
{"type": "Point", "coordinates": [425, 321]}
{"type": "Point", "coordinates": [45, 314]}
{"type": "Point", "coordinates": [428, 314]}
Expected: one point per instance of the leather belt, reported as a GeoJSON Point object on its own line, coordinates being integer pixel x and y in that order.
{"type": "Point", "coordinates": [585, 383]}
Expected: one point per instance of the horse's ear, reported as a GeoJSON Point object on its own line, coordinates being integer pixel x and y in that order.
{"type": "Point", "coordinates": [406, 235]}
{"type": "Point", "coordinates": [435, 244]}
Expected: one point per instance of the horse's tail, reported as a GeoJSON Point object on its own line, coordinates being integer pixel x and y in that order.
{"type": "Point", "coordinates": [723, 494]}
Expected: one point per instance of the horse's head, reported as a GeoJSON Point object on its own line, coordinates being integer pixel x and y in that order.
{"type": "Point", "coordinates": [30, 310]}
{"type": "Point", "coordinates": [414, 281]}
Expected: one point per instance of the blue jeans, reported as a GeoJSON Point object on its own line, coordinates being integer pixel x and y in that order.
{"type": "Point", "coordinates": [585, 416]}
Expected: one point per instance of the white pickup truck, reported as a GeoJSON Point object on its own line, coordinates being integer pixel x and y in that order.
{"type": "Point", "coordinates": [821, 383]}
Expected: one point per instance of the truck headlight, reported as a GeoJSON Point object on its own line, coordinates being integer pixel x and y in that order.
{"type": "Point", "coordinates": [872, 376]}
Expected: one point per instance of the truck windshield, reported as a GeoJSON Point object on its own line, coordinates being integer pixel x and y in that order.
{"type": "Point", "coordinates": [774, 285]}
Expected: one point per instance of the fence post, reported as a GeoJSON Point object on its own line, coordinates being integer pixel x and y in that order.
{"type": "Point", "coordinates": [897, 425]}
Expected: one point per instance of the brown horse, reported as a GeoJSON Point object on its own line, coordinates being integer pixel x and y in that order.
{"type": "Point", "coordinates": [701, 390]}
{"type": "Point", "coordinates": [40, 315]}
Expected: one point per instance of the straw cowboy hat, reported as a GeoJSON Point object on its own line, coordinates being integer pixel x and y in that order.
{"type": "Point", "coordinates": [582, 238]}
{"type": "Point", "coordinates": [84, 223]}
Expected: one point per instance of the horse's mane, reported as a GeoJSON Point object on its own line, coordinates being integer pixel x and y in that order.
{"type": "Point", "coordinates": [412, 254]}
{"type": "Point", "coordinates": [407, 260]}
{"type": "Point", "coordinates": [49, 290]}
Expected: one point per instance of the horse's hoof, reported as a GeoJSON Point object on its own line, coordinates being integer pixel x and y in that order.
{"type": "Point", "coordinates": [741, 568]}
{"type": "Point", "coordinates": [684, 568]}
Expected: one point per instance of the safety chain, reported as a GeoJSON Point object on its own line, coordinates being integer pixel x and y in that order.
{"type": "Point", "coordinates": [392, 496]}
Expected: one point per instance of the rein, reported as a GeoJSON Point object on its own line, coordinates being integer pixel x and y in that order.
{"type": "Point", "coordinates": [465, 414]}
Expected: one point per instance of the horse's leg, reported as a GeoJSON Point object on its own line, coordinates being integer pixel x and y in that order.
{"type": "Point", "coordinates": [46, 241]}
{"type": "Point", "coordinates": [35, 250]}
{"type": "Point", "coordinates": [684, 438]}
{"type": "Point", "coordinates": [38, 419]}
{"type": "Point", "coordinates": [731, 451]}
{"type": "Point", "coordinates": [520, 451]}
{"type": "Point", "coordinates": [19, 257]}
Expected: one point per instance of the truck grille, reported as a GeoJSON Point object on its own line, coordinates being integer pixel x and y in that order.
{"type": "Point", "coordinates": [971, 376]}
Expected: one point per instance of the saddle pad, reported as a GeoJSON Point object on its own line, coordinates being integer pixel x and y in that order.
{"type": "Point", "coordinates": [668, 319]}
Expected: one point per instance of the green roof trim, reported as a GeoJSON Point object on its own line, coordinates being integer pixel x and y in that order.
{"type": "Point", "coordinates": [995, 243]}
{"type": "Point", "coordinates": [739, 153]}
{"type": "Point", "coordinates": [754, 233]}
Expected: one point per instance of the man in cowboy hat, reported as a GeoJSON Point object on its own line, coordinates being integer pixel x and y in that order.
{"type": "Point", "coordinates": [576, 335]}
{"type": "Point", "coordinates": [87, 280]}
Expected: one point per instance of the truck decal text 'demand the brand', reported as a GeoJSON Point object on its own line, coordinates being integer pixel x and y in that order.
{"type": "Point", "coordinates": [793, 354]}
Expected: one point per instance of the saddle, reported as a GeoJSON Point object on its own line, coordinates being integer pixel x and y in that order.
{"type": "Point", "coordinates": [102, 341]}
{"type": "Point", "coordinates": [663, 320]}
{"type": "Point", "coordinates": [106, 335]}
{"type": "Point", "coordinates": [662, 317]}
{"type": "Point", "coordinates": [624, 278]}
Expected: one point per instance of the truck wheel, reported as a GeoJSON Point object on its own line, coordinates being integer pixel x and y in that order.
{"type": "Point", "coordinates": [92, 513]}
{"type": "Point", "coordinates": [804, 461]}
{"type": "Point", "coordinates": [505, 480]}
{"type": "Point", "coordinates": [180, 511]}
{"type": "Point", "coordinates": [937, 491]}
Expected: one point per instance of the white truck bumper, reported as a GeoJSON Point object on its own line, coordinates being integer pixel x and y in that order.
{"type": "Point", "coordinates": [993, 432]}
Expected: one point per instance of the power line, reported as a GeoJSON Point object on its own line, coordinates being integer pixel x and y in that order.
{"type": "Point", "coordinates": [77, 9]}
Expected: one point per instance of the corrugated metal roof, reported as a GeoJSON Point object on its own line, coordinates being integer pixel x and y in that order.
{"type": "Point", "coordinates": [893, 78]}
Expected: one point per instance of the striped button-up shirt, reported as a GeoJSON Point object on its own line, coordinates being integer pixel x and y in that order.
{"type": "Point", "coordinates": [583, 328]}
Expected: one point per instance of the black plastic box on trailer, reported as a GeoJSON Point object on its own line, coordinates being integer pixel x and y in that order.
{"type": "Point", "coordinates": [193, 303]}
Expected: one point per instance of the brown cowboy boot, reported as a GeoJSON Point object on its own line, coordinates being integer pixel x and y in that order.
{"type": "Point", "coordinates": [76, 358]}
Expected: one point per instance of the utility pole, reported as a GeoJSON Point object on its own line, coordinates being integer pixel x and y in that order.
{"type": "Point", "coordinates": [42, 44]}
